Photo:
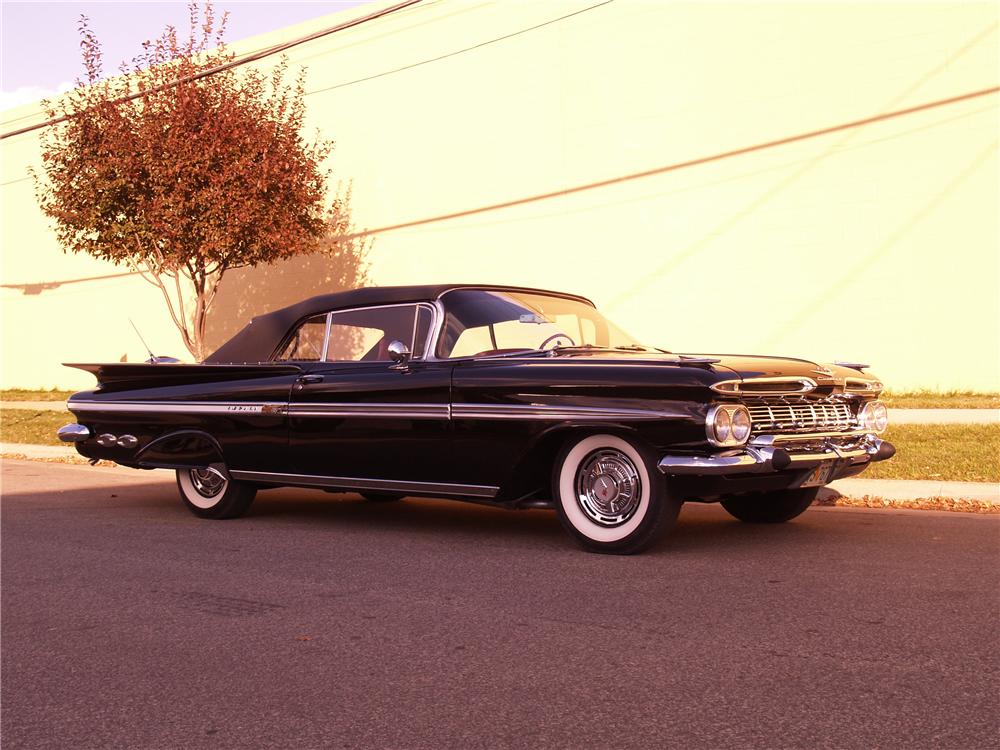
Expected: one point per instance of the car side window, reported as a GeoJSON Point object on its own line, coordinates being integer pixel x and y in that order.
{"type": "Point", "coordinates": [361, 335]}
{"type": "Point", "coordinates": [306, 344]}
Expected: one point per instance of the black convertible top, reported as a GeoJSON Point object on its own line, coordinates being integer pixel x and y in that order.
{"type": "Point", "coordinates": [261, 337]}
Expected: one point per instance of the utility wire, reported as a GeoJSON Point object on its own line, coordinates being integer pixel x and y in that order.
{"type": "Point", "coordinates": [267, 52]}
{"type": "Point", "coordinates": [675, 166]}
{"type": "Point", "coordinates": [43, 286]}
{"type": "Point", "coordinates": [720, 181]}
{"type": "Point", "coordinates": [623, 178]}
{"type": "Point", "coordinates": [460, 51]}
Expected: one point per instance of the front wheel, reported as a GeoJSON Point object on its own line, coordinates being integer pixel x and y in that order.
{"type": "Point", "coordinates": [609, 495]}
{"type": "Point", "coordinates": [210, 493]}
{"type": "Point", "coordinates": [770, 507]}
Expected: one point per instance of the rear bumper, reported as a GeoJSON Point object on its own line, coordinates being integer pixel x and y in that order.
{"type": "Point", "coordinates": [767, 454]}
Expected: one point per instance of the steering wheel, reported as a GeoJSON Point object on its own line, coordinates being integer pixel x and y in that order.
{"type": "Point", "coordinates": [556, 337]}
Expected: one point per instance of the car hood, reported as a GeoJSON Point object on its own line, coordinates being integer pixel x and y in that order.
{"type": "Point", "coordinates": [731, 366]}
{"type": "Point", "coordinates": [747, 366]}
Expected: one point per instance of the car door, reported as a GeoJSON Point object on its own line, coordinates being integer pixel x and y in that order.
{"type": "Point", "coordinates": [354, 414]}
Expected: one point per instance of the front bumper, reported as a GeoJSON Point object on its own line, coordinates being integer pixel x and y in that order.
{"type": "Point", "coordinates": [766, 454]}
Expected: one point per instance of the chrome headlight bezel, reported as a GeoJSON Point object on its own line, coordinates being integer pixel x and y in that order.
{"type": "Point", "coordinates": [721, 429]}
{"type": "Point", "coordinates": [874, 417]}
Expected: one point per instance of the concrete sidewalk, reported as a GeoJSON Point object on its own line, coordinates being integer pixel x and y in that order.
{"type": "Point", "coordinates": [889, 489]}
{"type": "Point", "coordinates": [896, 416]}
{"type": "Point", "coordinates": [944, 416]}
{"type": "Point", "coordinates": [915, 489]}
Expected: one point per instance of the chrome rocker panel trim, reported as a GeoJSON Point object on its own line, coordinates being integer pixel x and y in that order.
{"type": "Point", "coordinates": [359, 483]}
{"type": "Point", "coordinates": [762, 458]}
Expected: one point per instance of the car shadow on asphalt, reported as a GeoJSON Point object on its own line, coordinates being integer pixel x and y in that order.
{"type": "Point", "coordinates": [699, 526]}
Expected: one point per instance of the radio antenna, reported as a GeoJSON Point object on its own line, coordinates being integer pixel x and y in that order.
{"type": "Point", "coordinates": [152, 357]}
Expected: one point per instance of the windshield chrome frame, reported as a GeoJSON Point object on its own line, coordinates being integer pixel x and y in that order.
{"type": "Point", "coordinates": [533, 353]}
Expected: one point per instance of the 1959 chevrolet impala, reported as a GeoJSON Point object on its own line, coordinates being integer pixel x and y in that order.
{"type": "Point", "coordinates": [519, 398]}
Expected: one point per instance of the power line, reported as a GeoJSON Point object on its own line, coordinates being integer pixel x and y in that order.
{"type": "Point", "coordinates": [728, 224]}
{"type": "Point", "coordinates": [44, 286]}
{"type": "Point", "coordinates": [675, 166]}
{"type": "Point", "coordinates": [267, 52]}
{"type": "Point", "coordinates": [720, 181]}
{"type": "Point", "coordinates": [460, 51]}
{"type": "Point", "coordinates": [615, 180]}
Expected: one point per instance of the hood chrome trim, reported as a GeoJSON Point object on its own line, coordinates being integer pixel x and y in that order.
{"type": "Point", "coordinates": [737, 387]}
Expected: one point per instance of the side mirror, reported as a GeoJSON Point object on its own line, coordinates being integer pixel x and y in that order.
{"type": "Point", "coordinates": [400, 355]}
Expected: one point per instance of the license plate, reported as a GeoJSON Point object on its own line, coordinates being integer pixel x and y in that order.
{"type": "Point", "coordinates": [818, 476]}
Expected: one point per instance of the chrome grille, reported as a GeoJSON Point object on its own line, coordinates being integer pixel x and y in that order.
{"type": "Point", "coordinates": [800, 416]}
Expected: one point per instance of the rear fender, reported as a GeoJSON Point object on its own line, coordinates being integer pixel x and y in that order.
{"type": "Point", "coordinates": [181, 449]}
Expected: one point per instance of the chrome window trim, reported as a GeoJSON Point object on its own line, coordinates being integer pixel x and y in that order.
{"type": "Point", "coordinates": [326, 338]}
{"type": "Point", "coordinates": [329, 323]}
{"type": "Point", "coordinates": [364, 483]}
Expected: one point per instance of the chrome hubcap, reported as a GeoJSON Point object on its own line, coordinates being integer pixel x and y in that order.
{"type": "Point", "coordinates": [208, 482]}
{"type": "Point", "coordinates": [608, 487]}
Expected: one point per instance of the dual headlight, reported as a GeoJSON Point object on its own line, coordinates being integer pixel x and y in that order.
{"type": "Point", "coordinates": [873, 417]}
{"type": "Point", "coordinates": [728, 425]}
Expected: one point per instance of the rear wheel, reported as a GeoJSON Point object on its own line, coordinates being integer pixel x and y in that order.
{"type": "Point", "coordinates": [770, 507]}
{"type": "Point", "coordinates": [210, 493]}
{"type": "Point", "coordinates": [609, 495]}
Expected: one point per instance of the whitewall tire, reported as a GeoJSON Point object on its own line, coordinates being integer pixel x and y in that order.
{"type": "Point", "coordinates": [211, 493]}
{"type": "Point", "coordinates": [609, 495]}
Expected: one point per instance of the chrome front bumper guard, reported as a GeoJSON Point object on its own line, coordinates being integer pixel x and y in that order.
{"type": "Point", "coordinates": [765, 454]}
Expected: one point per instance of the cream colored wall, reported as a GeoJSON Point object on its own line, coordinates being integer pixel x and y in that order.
{"type": "Point", "coordinates": [878, 244]}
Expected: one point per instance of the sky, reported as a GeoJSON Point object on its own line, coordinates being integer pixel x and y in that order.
{"type": "Point", "coordinates": [39, 42]}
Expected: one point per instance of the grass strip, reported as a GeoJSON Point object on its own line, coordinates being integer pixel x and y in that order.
{"type": "Point", "coordinates": [31, 426]}
{"type": "Point", "coordinates": [948, 452]}
{"type": "Point", "coordinates": [926, 399]}
{"type": "Point", "coordinates": [22, 394]}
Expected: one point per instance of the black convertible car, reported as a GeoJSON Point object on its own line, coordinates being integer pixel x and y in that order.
{"type": "Point", "coordinates": [520, 398]}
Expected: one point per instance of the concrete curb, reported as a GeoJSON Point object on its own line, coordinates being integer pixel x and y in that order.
{"type": "Point", "coordinates": [915, 489]}
{"type": "Point", "coordinates": [36, 405]}
{"type": "Point", "coordinates": [976, 497]}
{"type": "Point", "coordinates": [40, 452]}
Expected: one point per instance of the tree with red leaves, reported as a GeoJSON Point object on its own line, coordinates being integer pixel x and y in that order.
{"type": "Point", "coordinates": [183, 168]}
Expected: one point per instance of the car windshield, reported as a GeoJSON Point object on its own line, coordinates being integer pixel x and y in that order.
{"type": "Point", "coordinates": [480, 323]}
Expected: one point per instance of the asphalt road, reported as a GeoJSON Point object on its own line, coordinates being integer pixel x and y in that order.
{"type": "Point", "coordinates": [324, 621]}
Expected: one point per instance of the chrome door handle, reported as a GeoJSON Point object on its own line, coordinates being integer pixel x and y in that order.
{"type": "Point", "coordinates": [307, 380]}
